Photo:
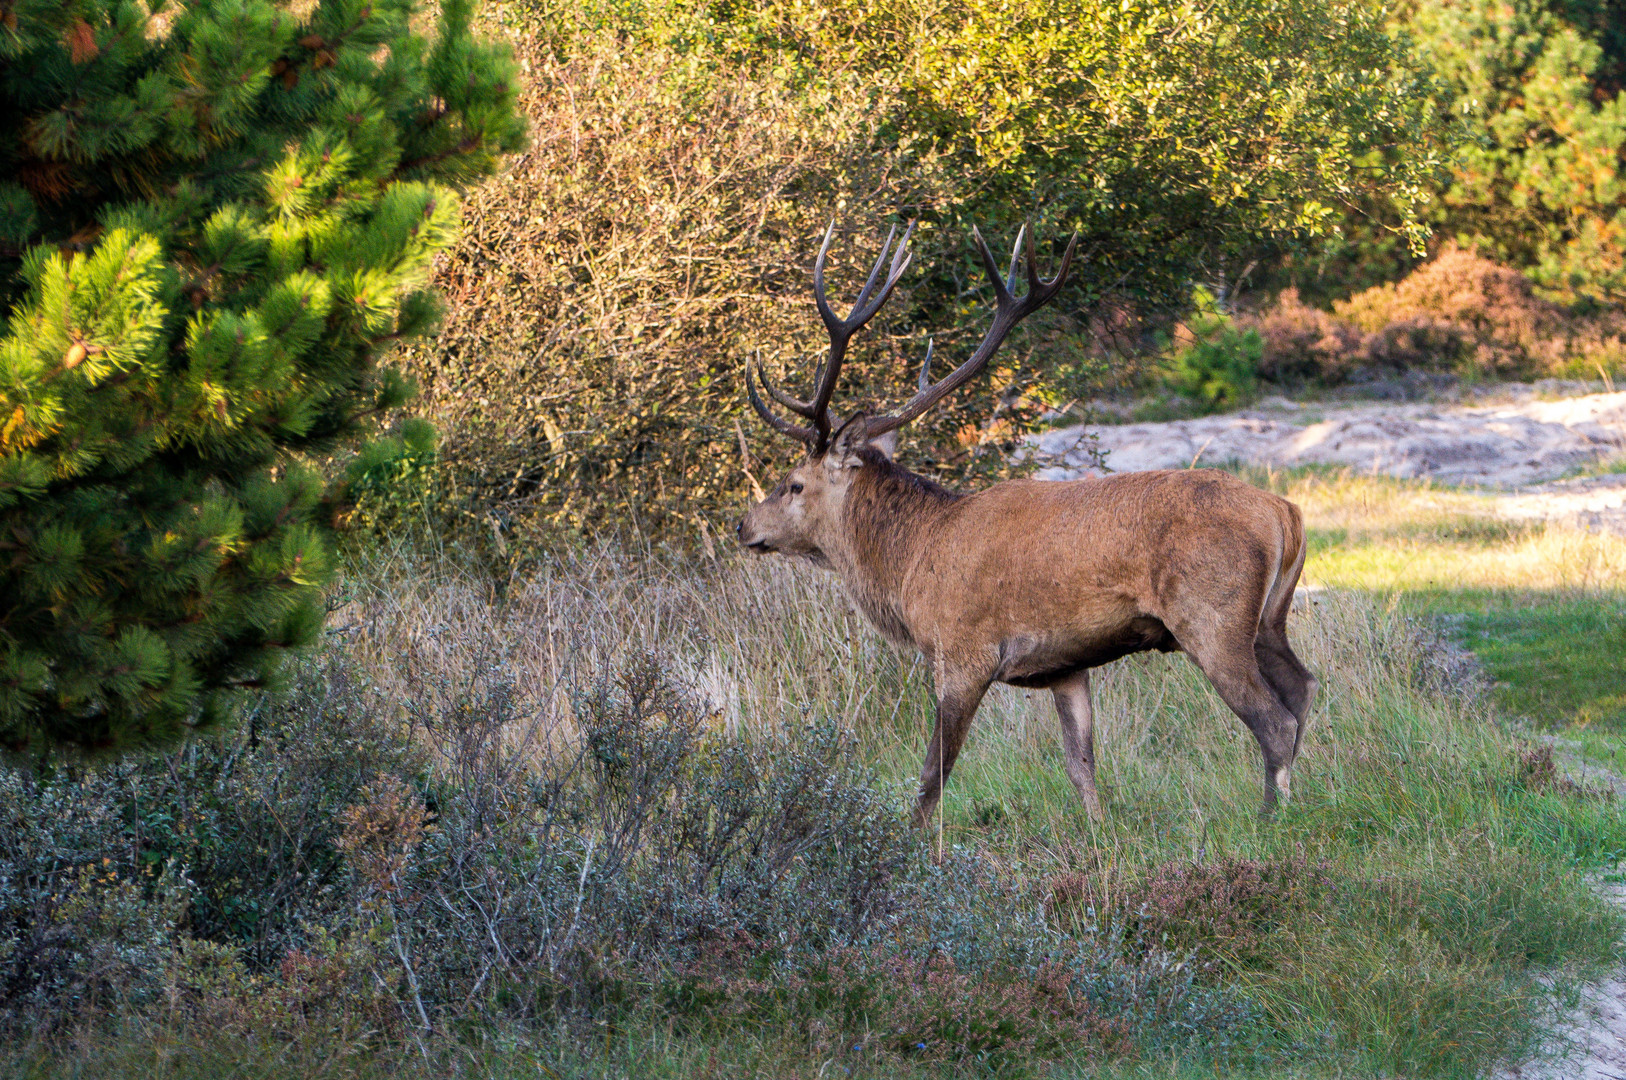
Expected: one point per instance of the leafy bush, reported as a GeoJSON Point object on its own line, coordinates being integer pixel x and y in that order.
{"type": "Point", "coordinates": [641, 838]}
{"type": "Point", "coordinates": [1545, 190]}
{"type": "Point", "coordinates": [1539, 184]}
{"type": "Point", "coordinates": [657, 233]}
{"type": "Point", "coordinates": [190, 866]}
{"type": "Point", "coordinates": [687, 158]}
{"type": "Point", "coordinates": [81, 926]}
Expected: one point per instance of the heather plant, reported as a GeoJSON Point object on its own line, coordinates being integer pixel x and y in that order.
{"type": "Point", "coordinates": [1459, 312]}
{"type": "Point", "coordinates": [1233, 910]}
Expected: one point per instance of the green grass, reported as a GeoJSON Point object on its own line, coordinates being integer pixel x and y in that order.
{"type": "Point", "coordinates": [1543, 609]}
{"type": "Point", "coordinates": [1555, 660]}
{"type": "Point", "coordinates": [1433, 906]}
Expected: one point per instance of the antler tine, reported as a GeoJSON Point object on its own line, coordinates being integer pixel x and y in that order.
{"type": "Point", "coordinates": [831, 321]}
{"type": "Point", "coordinates": [1001, 293]}
{"type": "Point", "coordinates": [794, 404]}
{"type": "Point", "coordinates": [1044, 290]}
{"type": "Point", "coordinates": [1023, 240]}
{"type": "Point", "coordinates": [874, 273]}
{"type": "Point", "coordinates": [860, 314]}
{"type": "Point", "coordinates": [1009, 310]}
{"type": "Point", "coordinates": [778, 423]}
{"type": "Point", "coordinates": [842, 330]}
{"type": "Point", "coordinates": [926, 367]}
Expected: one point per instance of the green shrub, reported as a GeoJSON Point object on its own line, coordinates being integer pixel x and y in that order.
{"type": "Point", "coordinates": [213, 222]}
{"type": "Point", "coordinates": [338, 870]}
{"type": "Point", "coordinates": [82, 928]}
{"type": "Point", "coordinates": [688, 157]}
{"type": "Point", "coordinates": [1539, 185]}
{"type": "Point", "coordinates": [1217, 367]}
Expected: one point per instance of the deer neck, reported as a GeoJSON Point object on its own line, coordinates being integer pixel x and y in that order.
{"type": "Point", "coordinates": [889, 514]}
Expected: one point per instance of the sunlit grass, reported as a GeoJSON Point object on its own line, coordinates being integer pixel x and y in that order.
{"type": "Point", "coordinates": [1542, 606]}
{"type": "Point", "coordinates": [1456, 882]}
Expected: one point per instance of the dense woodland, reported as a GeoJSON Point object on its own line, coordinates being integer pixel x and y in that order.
{"type": "Point", "coordinates": [662, 226]}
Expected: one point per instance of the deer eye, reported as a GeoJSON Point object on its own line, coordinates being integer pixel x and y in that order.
{"type": "Point", "coordinates": [796, 489]}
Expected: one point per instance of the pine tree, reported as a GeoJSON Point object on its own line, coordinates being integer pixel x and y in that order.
{"type": "Point", "coordinates": [1545, 189]}
{"type": "Point", "coordinates": [215, 219]}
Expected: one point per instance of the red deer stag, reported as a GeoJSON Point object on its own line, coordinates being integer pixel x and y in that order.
{"type": "Point", "coordinates": [1033, 583]}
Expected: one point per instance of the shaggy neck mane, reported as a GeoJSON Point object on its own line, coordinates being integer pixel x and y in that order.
{"type": "Point", "coordinates": [888, 510]}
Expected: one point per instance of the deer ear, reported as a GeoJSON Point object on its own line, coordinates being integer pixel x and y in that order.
{"type": "Point", "coordinates": [886, 443]}
{"type": "Point", "coordinates": [846, 443]}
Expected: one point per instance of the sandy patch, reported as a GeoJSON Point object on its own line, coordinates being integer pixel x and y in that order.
{"type": "Point", "coordinates": [1517, 449]}
{"type": "Point", "coordinates": [1590, 1043]}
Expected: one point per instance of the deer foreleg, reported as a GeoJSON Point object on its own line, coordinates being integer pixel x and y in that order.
{"type": "Point", "coordinates": [956, 705]}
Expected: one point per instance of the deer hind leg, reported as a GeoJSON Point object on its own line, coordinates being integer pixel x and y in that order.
{"type": "Point", "coordinates": [1287, 675]}
{"type": "Point", "coordinates": [956, 704]}
{"type": "Point", "coordinates": [1230, 664]}
{"type": "Point", "coordinates": [1077, 715]}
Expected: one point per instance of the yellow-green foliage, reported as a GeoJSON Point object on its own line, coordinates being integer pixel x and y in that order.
{"type": "Point", "coordinates": [685, 160]}
{"type": "Point", "coordinates": [1539, 186]}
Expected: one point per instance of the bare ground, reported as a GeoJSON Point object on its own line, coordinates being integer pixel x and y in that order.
{"type": "Point", "coordinates": [1589, 1043]}
{"type": "Point", "coordinates": [1522, 451]}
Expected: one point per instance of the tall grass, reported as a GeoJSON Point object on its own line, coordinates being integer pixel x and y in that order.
{"type": "Point", "coordinates": [1454, 874]}
{"type": "Point", "coordinates": [1403, 916]}
{"type": "Point", "coordinates": [771, 643]}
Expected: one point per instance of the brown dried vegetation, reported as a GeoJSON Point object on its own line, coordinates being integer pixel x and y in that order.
{"type": "Point", "coordinates": [1458, 312]}
{"type": "Point", "coordinates": [609, 287]}
{"type": "Point", "coordinates": [931, 1011]}
{"type": "Point", "coordinates": [1231, 909]}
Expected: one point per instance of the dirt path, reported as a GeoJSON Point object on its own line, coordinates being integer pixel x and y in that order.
{"type": "Point", "coordinates": [1517, 449]}
{"type": "Point", "coordinates": [1590, 1043]}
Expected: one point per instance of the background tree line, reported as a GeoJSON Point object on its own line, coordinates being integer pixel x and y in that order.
{"type": "Point", "coordinates": [662, 227]}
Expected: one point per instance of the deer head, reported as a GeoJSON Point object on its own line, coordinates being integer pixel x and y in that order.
{"type": "Point", "coordinates": [802, 516]}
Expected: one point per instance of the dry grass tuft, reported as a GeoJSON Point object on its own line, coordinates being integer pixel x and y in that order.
{"type": "Point", "coordinates": [1387, 534]}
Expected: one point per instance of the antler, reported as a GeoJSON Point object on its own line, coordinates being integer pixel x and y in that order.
{"type": "Point", "coordinates": [1009, 311]}
{"type": "Point", "coordinates": [841, 331]}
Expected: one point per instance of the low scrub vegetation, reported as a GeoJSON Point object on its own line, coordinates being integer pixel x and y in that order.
{"type": "Point", "coordinates": [628, 817]}
{"type": "Point", "coordinates": [1459, 313]}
